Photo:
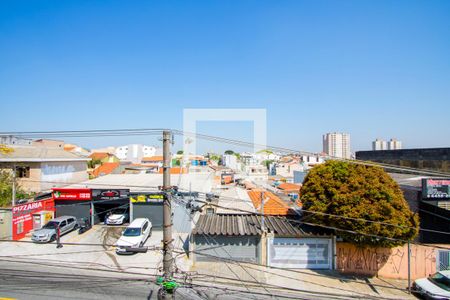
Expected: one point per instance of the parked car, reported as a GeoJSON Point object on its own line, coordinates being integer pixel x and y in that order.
{"type": "Point", "coordinates": [118, 216]}
{"type": "Point", "coordinates": [436, 286]}
{"type": "Point", "coordinates": [134, 236]}
{"type": "Point", "coordinates": [49, 231]}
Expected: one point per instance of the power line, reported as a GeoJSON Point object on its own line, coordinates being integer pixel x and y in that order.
{"type": "Point", "coordinates": [156, 131]}
{"type": "Point", "coordinates": [327, 214]}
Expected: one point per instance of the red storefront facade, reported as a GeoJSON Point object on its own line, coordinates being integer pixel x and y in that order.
{"type": "Point", "coordinates": [22, 216]}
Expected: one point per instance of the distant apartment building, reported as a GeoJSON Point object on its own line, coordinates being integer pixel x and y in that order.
{"type": "Point", "coordinates": [337, 144]}
{"type": "Point", "coordinates": [231, 161]}
{"type": "Point", "coordinates": [394, 144]}
{"type": "Point", "coordinates": [134, 152]}
{"type": "Point", "coordinates": [379, 144]}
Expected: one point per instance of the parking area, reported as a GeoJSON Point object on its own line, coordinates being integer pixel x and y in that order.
{"type": "Point", "coordinates": [94, 248]}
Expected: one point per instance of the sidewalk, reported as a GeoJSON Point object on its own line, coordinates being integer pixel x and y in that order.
{"type": "Point", "coordinates": [321, 284]}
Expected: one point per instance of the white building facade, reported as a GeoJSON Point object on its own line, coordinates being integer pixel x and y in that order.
{"type": "Point", "coordinates": [134, 152]}
{"type": "Point", "coordinates": [394, 144]}
{"type": "Point", "coordinates": [337, 145]}
{"type": "Point", "coordinates": [379, 144]}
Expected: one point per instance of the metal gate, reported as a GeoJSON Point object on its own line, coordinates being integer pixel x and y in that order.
{"type": "Point", "coordinates": [242, 248]}
{"type": "Point", "coordinates": [299, 253]}
{"type": "Point", "coordinates": [443, 261]}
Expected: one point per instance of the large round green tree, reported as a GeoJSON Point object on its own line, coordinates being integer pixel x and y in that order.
{"type": "Point", "coordinates": [356, 191]}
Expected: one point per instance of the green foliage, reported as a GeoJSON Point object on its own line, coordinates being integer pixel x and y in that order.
{"type": "Point", "coordinates": [229, 152]}
{"type": "Point", "coordinates": [266, 151]}
{"type": "Point", "coordinates": [6, 189]}
{"type": "Point", "coordinates": [93, 162]}
{"type": "Point", "coordinates": [268, 162]}
{"type": "Point", "coordinates": [180, 152]}
{"type": "Point", "coordinates": [362, 192]}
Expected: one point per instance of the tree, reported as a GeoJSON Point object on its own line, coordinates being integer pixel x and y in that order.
{"type": "Point", "coordinates": [6, 193]}
{"type": "Point", "coordinates": [267, 162]}
{"type": "Point", "coordinates": [93, 162]}
{"type": "Point", "coordinates": [180, 152]}
{"type": "Point", "coordinates": [229, 152]}
{"type": "Point", "coordinates": [360, 192]}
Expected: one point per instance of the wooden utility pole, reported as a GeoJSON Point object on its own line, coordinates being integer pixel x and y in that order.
{"type": "Point", "coordinates": [167, 212]}
{"type": "Point", "coordinates": [14, 185]}
{"type": "Point", "coordinates": [262, 212]}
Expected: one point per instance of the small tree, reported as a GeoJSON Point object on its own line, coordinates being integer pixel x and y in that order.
{"type": "Point", "coordinates": [359, 192]}
{"type": "Point", "coordinates": [6, 180]}
{"type": "Point", "coordinates": [93, 162]}
{"type": "Point", "coordinates": [180, 152]}
{"type": "Point", "coordinates": [229, 152]}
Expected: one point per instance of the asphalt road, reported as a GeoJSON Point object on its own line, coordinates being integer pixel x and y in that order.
{"type": "Point", "coordinates": [30, 280]}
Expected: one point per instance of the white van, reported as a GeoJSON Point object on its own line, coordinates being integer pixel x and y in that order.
{"type": "Point", "coordinates": [134, 236]}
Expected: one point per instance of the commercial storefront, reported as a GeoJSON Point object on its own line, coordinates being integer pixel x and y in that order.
{"type": "Point", "coordinates": [148, 205]}
{"type": "Point", "coordinates": [72, 202]}
{"type": "Point", "coordinates": [107, 200]}
{"type": "Point", "coordinates": [93, 204]}
{"type": "Point", "coordinates": [30, 216]}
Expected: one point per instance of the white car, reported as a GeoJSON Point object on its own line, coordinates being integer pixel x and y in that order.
{"type": "Point", "coordinates": [117, 217]}
{"type": "Point", "coordinates": [134, 236]}
{"type": "Point", "coordinates": [436, 286]}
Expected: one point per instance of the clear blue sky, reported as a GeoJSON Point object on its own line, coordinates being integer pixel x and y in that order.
{"type": "Point", "coordinates": [369, 68]}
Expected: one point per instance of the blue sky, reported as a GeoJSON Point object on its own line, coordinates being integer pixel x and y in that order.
{"type": "Point", "coordinates": [369, 68]}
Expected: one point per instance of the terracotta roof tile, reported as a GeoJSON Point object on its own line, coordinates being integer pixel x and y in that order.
{"type": "Point", "coordinates": [152, 158]}
{"type": "Point", "coordinates": [290, 187]}
{"type": "Point", "coordinates": [273, 205]}
{"type": "Point", "coordinates": [105, 169]}
{"type": "Point", "coordinates": [99, 155]}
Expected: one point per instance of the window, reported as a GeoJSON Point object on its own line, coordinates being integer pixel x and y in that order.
{"type": "Point", "coordinates": [70, 221]}
{"type": "Point", "coordinates": [20, 227]}
{"type": "Point", "coordinates": [63, 223]}
{"type": "Point", "coordinates": [23, 172]}
{"type": "Point", "coordinates": [145, 227]}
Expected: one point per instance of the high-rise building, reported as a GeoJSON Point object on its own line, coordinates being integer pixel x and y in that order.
{"type": "Point", "coordinates": [379, 144]}
{"type": "Point", "coordinates": [393, 144]}
{"type": "Point", "coordinates": [337, 144]}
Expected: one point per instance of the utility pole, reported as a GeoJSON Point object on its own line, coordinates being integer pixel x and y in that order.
{"type": "Point", "coordinates": [409, 267]}
{"type": "Point", "coordinates": [263, 228]}
{"type": "Point", "coordinates": [14, 185]}
{"type": "Point", "coordinates": [167, 214]}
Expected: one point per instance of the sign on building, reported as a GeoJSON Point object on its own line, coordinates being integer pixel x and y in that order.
{"type": "Point", "coordinates": [110, 194]}
{"type": "Point", "coordinates": [148, 198]}
{"type": "Point", "coordinates": [433, 189]}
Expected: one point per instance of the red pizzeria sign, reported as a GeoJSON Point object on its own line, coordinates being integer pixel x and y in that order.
{"type": "Point", "coordinates": [72, 194]}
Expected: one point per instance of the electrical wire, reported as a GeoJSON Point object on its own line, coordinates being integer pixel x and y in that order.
{"type": "Point", "coordinates": [156, 131]}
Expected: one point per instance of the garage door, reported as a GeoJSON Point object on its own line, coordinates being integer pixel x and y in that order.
{"type": "Point", "coordinates": [305, 253]}
{"type": "Point", "coordinates": [78, 209]}
{"type": "Point", "coordinates": [237, 248]}
{"type": "Point", "coordinates": [152, 211]}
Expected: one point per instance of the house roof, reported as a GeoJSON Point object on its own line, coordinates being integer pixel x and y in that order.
{"type": "Point", "coordinates": [273, 205]}
{"type": "Point", "coordinates": [39, 154]}
{"type": "Point", "coordinates": [153, 158]}
{"type": "Point", "coordinates": [99, 155]}
{"type": "Point", "coordinates": [241, 225]}
{"type": "Point", "coordinates": [175, 170]}
{"type": "Point", "coordinates": [105, 169]}
{"type": "Point", "coordinates": [290, 187]}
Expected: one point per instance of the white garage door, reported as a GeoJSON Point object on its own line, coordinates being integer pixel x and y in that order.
{"type": "Point", "coordinates": [305, 253]}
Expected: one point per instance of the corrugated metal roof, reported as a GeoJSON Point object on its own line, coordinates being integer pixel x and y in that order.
{"type": "Point", "coordinates": [239, 225]}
